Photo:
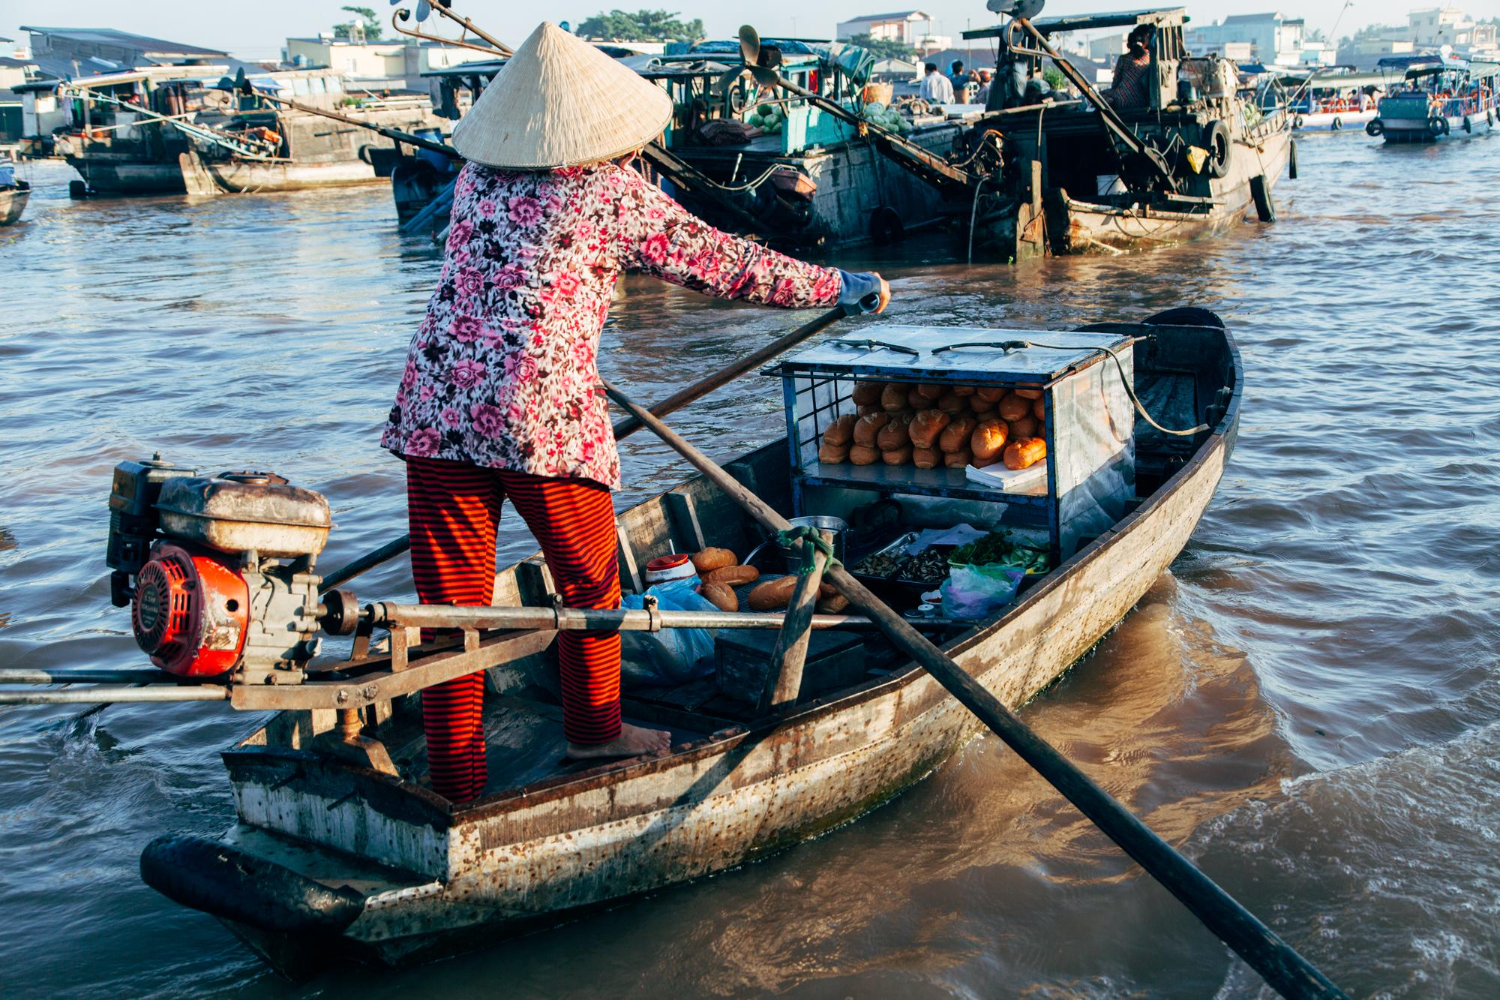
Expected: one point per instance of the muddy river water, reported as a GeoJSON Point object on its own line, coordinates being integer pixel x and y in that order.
{"type": "Point", "coordinates": [1307, 704]}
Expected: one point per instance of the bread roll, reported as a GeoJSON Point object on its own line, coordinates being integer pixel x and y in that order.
{"type": "Point", "coordinates": [926, 426]}
{"type": "Point", "coordinates": [866, 393]}
{"type": "Point", "coordinates": [711, 559]}
{"type": "Point", "coordinates": [1014, 407]}
{"type": "Point", "coordinates": [957, 459]}
{"type": "Point", "coordinates": [1024, 428]}
{"type": "Point", "coordinates": [834, 605]}
{"type": "Point", "coordinates": [955, 436]}
{"type": "Point", "coordinates": [979, 404]}
{"type": "Point", "coordinates": [1025, 453]}
{"type": "Point", "coordinates": [916, 401]}
{"type": "Point", "coordinates": [733, 576]}
{"type": "Point", "coordinates": [866, 427]}
{"type": "Point", "coordinates": [865, 409]}
{"type": "Point", "coordinates": [721, 595]}
{"type": "Point", "coordinates": [773, 595]}
{"type": "Point", "coordinates": [841, 430]}
{"type": "Point", "coordinates": [1029, 393]}
{"type": "Point", "coordinates": [964, 390]}
{"type": "Point", "coordinates": [863, 454]}
{"type": "Point", "coordinates": [893, 396]}
{"type": "Point", "coordinates": [1039, 409]}
{"type": "Point", "coordinates": [926, 458]}
{"type": "Point", "coordinates": [897, 456]}
{"type": "Point", "coordinates": [952, 403]}
{"type": "Point", "coordinates": [931, 390]}
{"type": "Point", "coordinates": [833, 454]}
{"type": "Point", "coordinates": [991, 393]}
{"type": "Point", "coordinates": [896, 433]}
{"type": "Point", "coordinates": [988, 440]}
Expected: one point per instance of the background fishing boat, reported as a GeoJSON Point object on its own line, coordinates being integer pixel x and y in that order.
{"type": "Point", "coordinates": [1332, 102]}
{"type": "Point", "coordinates": [13, 202]}
{"type": "Point", "coordinates": [1081, 176]}
{"type": "Point", "coordinates": [332, 856]}
{"type": "Point", "coordinates": [190, 129]}
{"type": "Point", "coordinates": [1429, 97]}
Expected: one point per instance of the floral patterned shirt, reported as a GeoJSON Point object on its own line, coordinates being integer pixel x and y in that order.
{"type": "Point", "coordinates": [502, 370]}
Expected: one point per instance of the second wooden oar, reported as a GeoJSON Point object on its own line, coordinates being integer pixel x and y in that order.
{"type": "Point", "coordinates": [630, 425]}
{"type": "Point", "coordinates": [1278, 963]}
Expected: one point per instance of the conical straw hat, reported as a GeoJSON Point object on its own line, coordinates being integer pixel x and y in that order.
{"type": "Point", "coordinates": [560, 102]}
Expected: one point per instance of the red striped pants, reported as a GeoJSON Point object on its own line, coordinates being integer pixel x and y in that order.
{"type": "Point", "coordinates": [454, 510]}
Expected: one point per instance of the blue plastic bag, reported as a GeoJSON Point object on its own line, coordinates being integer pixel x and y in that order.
{"type": "Point", "coordinates": [673, 655]}
{"type": "Point", "coordinates": [978, 591]}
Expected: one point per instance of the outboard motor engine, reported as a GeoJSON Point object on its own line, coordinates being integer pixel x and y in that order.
{"type": "Point", "coordinates": [218, 571]}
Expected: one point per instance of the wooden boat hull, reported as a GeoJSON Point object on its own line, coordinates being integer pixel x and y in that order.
{"type": "Point", "coordinates": [1094, 228]}
{"type": "Point", "coordinates": [428, 878]}
{"type": "Point", "coordinates": [1402, 131]}
{"type": "Point", "coordinates": [118, 175]}
{"type": "Point", "coordinates": [860, 196]}
{"type": "Point", "coordinates": [1332, 121]}
{"type": "Point", "coordinates": [249, 176]}
{"type": "Point", "coordinates": [12, 205]}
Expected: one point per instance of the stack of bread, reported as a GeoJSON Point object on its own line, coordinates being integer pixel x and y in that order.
{"type": "Point", "coordinates": [931, 425]}
{"type": "Point", "coordinates": [721, 572]}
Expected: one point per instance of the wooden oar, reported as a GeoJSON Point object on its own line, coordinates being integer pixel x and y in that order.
{"type": "Point", "coordinates": [1276, 961]}
{"type": "Point", "coordinates": [630, 425]}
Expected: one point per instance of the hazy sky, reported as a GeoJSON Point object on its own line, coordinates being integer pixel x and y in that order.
{"type": "Point", "coordinates": [257, 30]}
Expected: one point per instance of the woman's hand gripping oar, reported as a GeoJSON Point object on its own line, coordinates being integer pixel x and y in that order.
{"type": "Point", "coordinates": [873, 303]}
{"type": "Point", "coordinates": [1277, 962]}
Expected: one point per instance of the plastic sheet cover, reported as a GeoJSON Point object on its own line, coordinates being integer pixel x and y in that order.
{"type": "Point", "coordinates": [1093, 447]}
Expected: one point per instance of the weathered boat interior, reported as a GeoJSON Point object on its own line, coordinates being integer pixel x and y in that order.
{"type": "Point", "coordinates": [1180, 376]}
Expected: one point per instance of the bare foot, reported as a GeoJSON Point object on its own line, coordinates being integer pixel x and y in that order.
{"type": "Point", "coordinates": [632, 742]}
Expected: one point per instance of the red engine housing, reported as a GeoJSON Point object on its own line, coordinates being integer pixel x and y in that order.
{"type": "Point", "coordinates": [190, 611]}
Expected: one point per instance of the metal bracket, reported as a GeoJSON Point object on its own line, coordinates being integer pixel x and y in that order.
{"type": "Point", "coordinates": [653, 612]}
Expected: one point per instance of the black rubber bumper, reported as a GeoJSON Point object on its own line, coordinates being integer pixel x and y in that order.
{"type": "Point", "coordinates": [227, 882]}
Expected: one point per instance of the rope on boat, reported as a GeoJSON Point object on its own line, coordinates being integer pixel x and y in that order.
{"type": "Point", "coordinates": [814, 541]}
{"type": "Point", "coordinates": [1140, 408]}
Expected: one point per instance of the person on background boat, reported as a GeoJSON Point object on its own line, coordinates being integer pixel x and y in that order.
{"type": "Point", "coordinates": [936, 88]}
{"type": "Point", "coordinates": [982, 93]}
{"type": "Point", "coordinates": [959, 79]}
{"type": "Point", "coordinates": [500, 396]}
{"type": "Point", "coordinates": [1133, 72]}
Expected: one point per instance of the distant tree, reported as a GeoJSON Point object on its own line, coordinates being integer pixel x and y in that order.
{"type": "Point", "coordinates": [884, 48]}
{"type": "Point", "coordinates": [641, 26]}
{"type": "Point", "coordinates": [367, 18]}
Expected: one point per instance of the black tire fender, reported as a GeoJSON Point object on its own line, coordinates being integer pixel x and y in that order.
{"type": "Point", "coordinates": [1337, 124]}
{"type": "Point", "coordinates": [1291, 159]}
{"type": "Point", "coordinates": [1468, 125]}
{"type": "Point", "coordinates": [1220, 148]}
{"type": "Point", "coordinates": [886, 225]}
{"type": "Point", "coordinates": [1375, 128]}
{"type": "Point", "coordinates": [1437, 125]}
{"type": "Point", "coordinates": [1298, 122]}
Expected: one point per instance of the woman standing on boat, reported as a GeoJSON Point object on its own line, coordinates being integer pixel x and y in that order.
{"type": "Point", "coordinates": [499, 398]}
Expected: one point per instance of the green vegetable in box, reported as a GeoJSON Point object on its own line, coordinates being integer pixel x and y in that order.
{"type": "Point", "coordinates": [998, 549]}
{"type": "Point", "coordinates": [765, 109]}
